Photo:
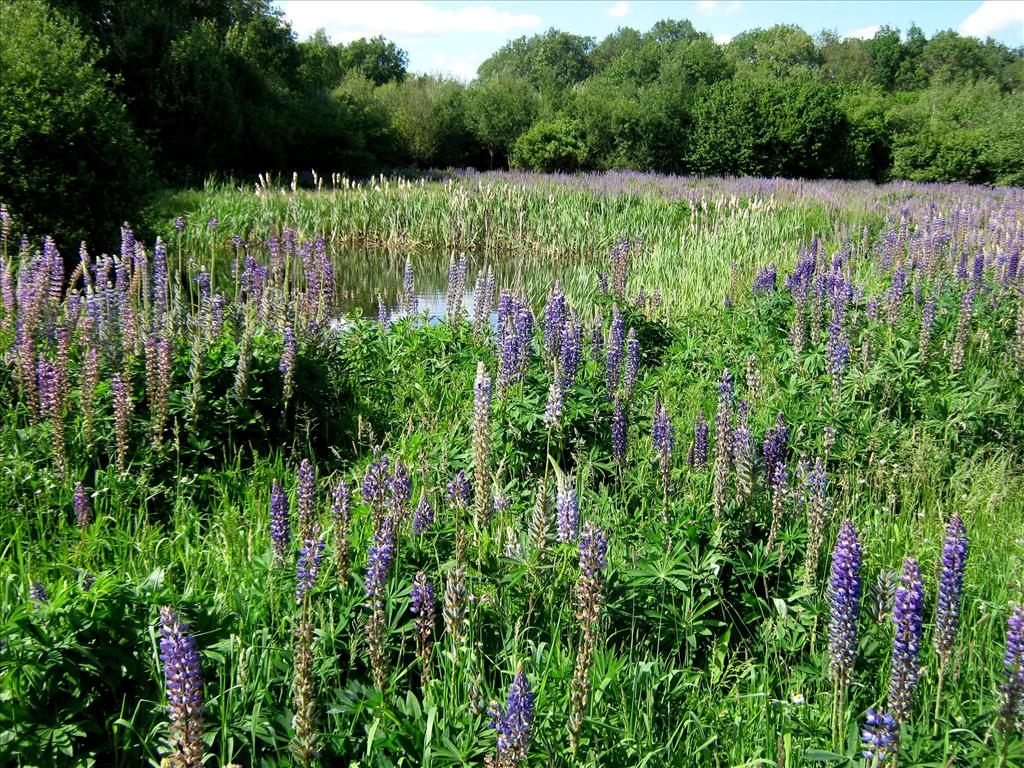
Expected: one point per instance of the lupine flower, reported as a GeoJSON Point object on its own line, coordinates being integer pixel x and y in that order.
{"type": "Point", "coordinates": [743, 456]}
{"type": "Point", "coordinates": [723, 441]}
{"type": "Point", "coordinates": [765, 281]}
{"type": "Point", "coordinates": [614, 352]}
{"type": "Point", "coordinates": [383, 312]}
{"type": "Point", "coordinates": [880, 737]}
{"type": "Point", "coordinates": [567, 512]}
{"type": "Point", "coordinates": [632, 362]}
{"type": "Point", "coordinates": [619, 428]}
{"type": "Point", "coordinates": [455, 596]}
{"type": "Point", "coordinates": [513, 723]}
{"type": "Point", "coordinates": [280, 527]}
{"type": "Point", "coordinates": [753, 379]}
{"type": "Point", "coordinates": [554, 317]}
{"type": "Point", "coordinates": [183, 684]}
{"type": "Point", "coordinates": [287, 363]}
{"type": "Point", "coordinates": [589, 599]}
{"type": "Point", "coordinates": [1011, 710]}
{"type": "Point", "coordinates": [341, 514]}
{"type": "Point", "coordinates": [951, 589]}
{"type": "Point", "coordinates": [381, 557]}
{"type": "Point", "coordinates": [37, 593]}
{"type": "Point", "coordinates": [896, 290]}
{"type": "Point", "coordinates": [570, 353]}
{"type": "Point", "coordinates": [83, 512]}
{"type": "Point", "coordinates": [423, 608]}
{"type": "Point", "coordinates": [304, 732]}
{"type": "Point", "coordinates": [907, 615]}
{"type": "Point", "coordinates": [963, 330]}
{"type": "Point", "coordinates": [305, 498]}
{"type": "Point", "coordinates": [179, 223]}
{"type": "Point", "coordinates": [482, 444]}
{"type": "Point", "coordinates": [697, 456]}
{"type": "Point", "coordinates": [844, 604]}
{"type": "Point", "coordinates": [555, 402]}
{"type": "Point", "coordinates": [409, 289]}
{"type": "Point", "coordinates": [212, 223]}
{"type": "Point", "coordinates": [780, 492]}
{"type": "Point", "coordinates": [459, 492]}
{"type": "Point", "coordinates": [307, 567]}
{"type": "Point", "coordinates": [423, 518]}
{"type": "Point", "coordinates": [122, 416]}
{"type": "Point", "coordinates": [619, 267]}
{"type": "Point", "coordinates": [663, 437]}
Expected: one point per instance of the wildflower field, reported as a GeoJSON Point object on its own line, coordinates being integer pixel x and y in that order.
{"type": "Point", "coordinates": [658, 471]}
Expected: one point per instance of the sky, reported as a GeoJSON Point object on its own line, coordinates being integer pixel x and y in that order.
{"type": "Point", "coordinates": [453, 38]}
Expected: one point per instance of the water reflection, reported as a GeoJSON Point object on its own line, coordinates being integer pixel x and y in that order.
{"type": "Point", "coordinates": [362, 275]}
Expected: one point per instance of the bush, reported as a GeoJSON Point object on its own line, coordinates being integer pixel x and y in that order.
{"type": "Point", "coordinates": [550, 145]}
{"type": "Point", "coordinates": [69, 157]}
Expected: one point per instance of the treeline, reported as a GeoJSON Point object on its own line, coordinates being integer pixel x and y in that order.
{"type": "Point", "coordinates": [101, 99]}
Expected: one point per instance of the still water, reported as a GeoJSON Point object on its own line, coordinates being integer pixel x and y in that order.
{"type": "Point", "coordinates": [362, 275]}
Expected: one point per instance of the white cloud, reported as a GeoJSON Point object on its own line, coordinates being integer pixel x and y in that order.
{"type": "Point", "coordinates": [723, 39]}
{"type": "Point", "coordinates": [399, 20]}
{"type": "Point", "coordinates": [718, 7]}
{"type": "Point", "coordinates": [619, 9]}
{"type": "Point", "coordinates": [991, 17]}
{"type": "Point", "coordinates": [462, 67]}
{"type": "Point", "coordinates": [864, 33]}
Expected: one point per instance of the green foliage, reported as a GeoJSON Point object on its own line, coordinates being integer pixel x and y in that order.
{"type": "Point", "coordinates": [499, 109]}
{"type": "Point", "coordinates": [549, 145]}
{"type": "Point", "coordinates": [428, 115]}
{"type": "Point", "coordinates": [767, 128]}
{"type": "Point", "coordinates": [64, 136]}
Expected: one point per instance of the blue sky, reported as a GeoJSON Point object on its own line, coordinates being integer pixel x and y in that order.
{"type": "Point", "coordinates": [454, 37]}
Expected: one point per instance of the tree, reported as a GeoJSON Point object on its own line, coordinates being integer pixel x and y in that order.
{"type": "Point", "coordinates": [70, 162]}
{"type": "Point", "coordinates": [784, 50]}
{"type": "Point", "coordinates": [498, 110]}
{"type": "Point", "coordinates": [791, 128]}
{"type": "Point", "coordinates": [378, 59]}
{"type": "Point", "coordinates": [551, 62]}
{"type": "Point", "coordinates": [428, 116]}
{"type": "Point", "coordinates": [550, 145]}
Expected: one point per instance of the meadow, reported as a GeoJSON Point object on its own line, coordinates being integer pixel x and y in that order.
{"type": "Point", "coordinates": [510, 469]}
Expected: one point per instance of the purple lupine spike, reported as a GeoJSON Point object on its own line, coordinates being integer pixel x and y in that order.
{"type": "Point", "coordinates": [381, 556]}
{"type": "Point", "coordinates": [212, 223]}
{"type": "Point", "coordinates": [632, 369]}
{"type": "Point", "coordinates": [305, 498]}
{"type": "Point", "coordinates": [697, 456]}
{"type": "Point", "coordinates": [597, 344]}
{"type": "Point", "coordinates": [287, 363]}
{"type": "Point", "coordinates": [459, 492]}
{"type": "Point", "coordinates": [383, 312]}
{"type": "Point", "coordinates": [399, 490]}
{"type": "Point", "coordinates": [341, 514]}
{"type": "Point", "coordinates": [83, 512]}
{"type": "Point", "coordinates": [1011, 710]}
{"type": "Point", "coordinates": [570, 353]}
{"type": "Point", "coordinates": [280, 526]}
{"type": "Point", "coordinates": [554, 318]}
{"type": "Point", "coordinates": [556, 399]}
{"type": "Point", "coordinates": [5, 221]}
{"type": "Point", "coordinates": [423, 518]}
{"type": "Point", "coordinates": [766, 280]}
{"type": "Point", "coordinates": [567, 507]}
{"type": "Point", "coordinates": [908, 616]}
{"type": "Point", "coordinates": [978, 267]}
{"type": "Point", "coordinates": [951, 588]}
{"type": "Point", "coordinates": [424, 608]}
{"type": "Point", "coordinates": [619, 431]}
{"type": "Point", "coordinates": [723, 441]}
{"type": "Point", "coordinates": [409, 288]}
{"type": "Point", "coordinates": [879, 737]}
{"type": "Point", "coordinates": [179, 223]}
{"type": "Point", "coordinates": [183, 684]}
{"type": "Point", "coordinates": [375, 481]}
{"type": "Point", "coordinates": [123, 405]}
{"type": "Point", "coordinates": [513, 723]}
{"type": "Point", "coordinates": [37, 593]}
{"type": "Point", "coordinates": [844, 604]}
{"type": "Point", "coordinates": [307, 567]}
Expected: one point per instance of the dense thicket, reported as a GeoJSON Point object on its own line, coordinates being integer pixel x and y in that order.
{"type": "Point", "coordinates": [224, 87]}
